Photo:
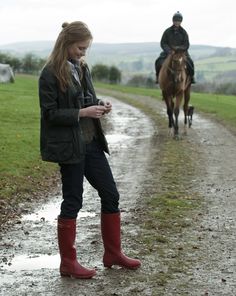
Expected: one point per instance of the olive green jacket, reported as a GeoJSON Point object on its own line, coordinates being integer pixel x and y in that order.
{"type": "Point", "coordinates": [61, 138]}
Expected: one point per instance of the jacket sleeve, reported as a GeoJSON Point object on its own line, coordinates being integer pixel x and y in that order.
{"type": "Point", "coordinates": [51, 110]}
{"type": "Point", "coordinates": [165, 43]}
{"type": "Point", "coordinates": [185, 45]}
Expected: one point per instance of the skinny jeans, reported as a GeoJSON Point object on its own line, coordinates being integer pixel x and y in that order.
{"type": "Point", "coordinates": [96, 169]}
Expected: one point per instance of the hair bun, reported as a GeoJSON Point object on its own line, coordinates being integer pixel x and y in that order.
{"type": "Point", "coordinates": [65, 24]}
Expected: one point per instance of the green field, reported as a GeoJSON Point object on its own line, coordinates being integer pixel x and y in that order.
{"type": "Point", "coordinates": [221, 107]}
{"type": "Point", "coordinates": [220, 64]}
{"type": "Point", "coordinates": [217, 68]}
{"type": "Point", "coordinates": [22, 170]}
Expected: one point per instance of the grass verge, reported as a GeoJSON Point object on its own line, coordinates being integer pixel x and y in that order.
{"type": "Point", "coordinates": [22, 171]}
{"type": "Point", "coordinates": [221, 107]}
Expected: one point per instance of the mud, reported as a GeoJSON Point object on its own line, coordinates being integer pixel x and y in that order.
{"type": "Point", "coordinates": [29, 255]}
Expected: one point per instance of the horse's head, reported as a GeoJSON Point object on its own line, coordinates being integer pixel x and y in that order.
{"type": "Point", "coordinates": [178, 64]}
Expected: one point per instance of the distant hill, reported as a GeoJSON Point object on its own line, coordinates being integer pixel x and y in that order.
{"type": "Point", "coordinates": [39, 48]}
{"type": "Point", "coordinates": [139, 58]}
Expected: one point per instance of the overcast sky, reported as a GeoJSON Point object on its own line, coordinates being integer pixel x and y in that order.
{"type": "Point", "coordinates": [208, 22]}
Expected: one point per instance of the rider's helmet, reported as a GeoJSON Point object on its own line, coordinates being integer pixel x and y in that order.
{"type": "Point", "coordinates": [177, 17]}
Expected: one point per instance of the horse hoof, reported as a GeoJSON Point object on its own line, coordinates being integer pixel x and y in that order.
{"type": "Point", "coordinates": [177, 137]}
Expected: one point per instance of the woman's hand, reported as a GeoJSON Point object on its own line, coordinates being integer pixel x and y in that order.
{"type": "Point", "coordinates": [108, 106]}
{"type": "Point", "coordinates": [96, 111]}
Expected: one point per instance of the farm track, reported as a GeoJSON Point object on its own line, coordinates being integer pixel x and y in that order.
{"type": "Point", "coordinates": [199, 259]}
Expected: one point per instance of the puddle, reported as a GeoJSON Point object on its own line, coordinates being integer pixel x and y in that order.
{"type": "Point", "coordinates": [23, 262]}
{"type": "Point", "coordinates": [49, 212]}
{"type": "Point", "coordinates": [27, 248]}
{"type": "Point", "coordinates": [7, 279]}
{"type": "Point", "coordinates": [112, 139]}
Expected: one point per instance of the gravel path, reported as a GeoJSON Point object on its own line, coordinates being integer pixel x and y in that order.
{"type": "Point", "coordinates": [28, 251]}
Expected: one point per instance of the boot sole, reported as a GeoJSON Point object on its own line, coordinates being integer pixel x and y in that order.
{"type": "Point", "coordinates": [78, 276]}
{"type": "Point", "coordinates": [123, 266]}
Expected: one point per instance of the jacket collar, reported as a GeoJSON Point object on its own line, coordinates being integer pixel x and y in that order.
{"type": "Point", "coordinates": [74, 71]}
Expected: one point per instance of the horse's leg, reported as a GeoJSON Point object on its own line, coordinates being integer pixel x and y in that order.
{"type": "Point", "coordinates": [173, 108]}
{"type": "Point", "coordinates": [186, 103]}
{"type": "Point", "coordinates": [169, 108]}
{"type": "Point", "coordinates": [170, 111]}
{"type": "Point", "coordinates": [187, 99]}
{"type": "Point", "coordinates": [176, 125]}
{"type": "Point", "coordinates": [176, 112]}
{"type": "Point", "coordinates": [170, 117]}
{"type": "Point", "coordinates": [185, 109]}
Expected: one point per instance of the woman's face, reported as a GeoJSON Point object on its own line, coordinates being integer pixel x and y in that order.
{"type": "Point", "coordinates": [78, 49]}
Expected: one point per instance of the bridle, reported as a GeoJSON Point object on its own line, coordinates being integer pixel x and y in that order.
{"type": "Point", "coordinates": [176, 68]}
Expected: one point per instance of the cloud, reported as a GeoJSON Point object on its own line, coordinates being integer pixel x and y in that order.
{"type": "Point", "coordinates": [118, 21]}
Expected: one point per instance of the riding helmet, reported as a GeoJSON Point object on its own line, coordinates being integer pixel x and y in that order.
{"type": "Point", "coordinates": [177, 17]}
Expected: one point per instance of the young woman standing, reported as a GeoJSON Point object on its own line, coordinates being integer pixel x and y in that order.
{"type": "Point", "coordinates": [71, 135]}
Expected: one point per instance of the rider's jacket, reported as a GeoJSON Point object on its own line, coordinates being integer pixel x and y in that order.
{"type": "Point", "coordinates": [174, 36]}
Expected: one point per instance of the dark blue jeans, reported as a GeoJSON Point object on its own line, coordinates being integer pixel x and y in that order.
{"type": "Point", "coordinates": [96, 169]}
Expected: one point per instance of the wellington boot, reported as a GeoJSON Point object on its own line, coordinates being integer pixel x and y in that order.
{"type": "Point", "coordinates": [66, 239]}
{"type": "Point", "coordinates": [113, 255]}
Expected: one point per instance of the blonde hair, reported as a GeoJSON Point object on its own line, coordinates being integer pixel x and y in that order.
{"type": "Point", "coordinates": [71, 33]}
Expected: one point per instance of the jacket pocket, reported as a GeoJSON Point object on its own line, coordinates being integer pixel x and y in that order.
{"type": "Point", "coordinates": [59, 151]}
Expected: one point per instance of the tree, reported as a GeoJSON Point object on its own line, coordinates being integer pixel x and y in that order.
{"type": "Point", "coordinates": [15, 64]}
{"type": "Point", "coordinates": [4, 58]}
{"type": "Point", "coordinates": [100, 72]}
{"type": "Point", "coordinates": [137, 80]}
{"type": "Point", "coordinates": [104, 73]}
{"type": "Point", "coordinates": [30, 63]}
{"type": "Point", "coordinates": [114, 75]}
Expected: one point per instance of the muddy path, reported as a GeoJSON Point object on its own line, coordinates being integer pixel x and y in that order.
{"type": "Point", "coordinates": [29, 250]}
{"type": "Point", "coordinates": [29, 254]}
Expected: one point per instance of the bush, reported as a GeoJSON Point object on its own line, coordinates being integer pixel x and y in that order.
{"type": "Point", "coordinates": [141, 81]}
{"type": "Point", "coordinates": [104, 73]}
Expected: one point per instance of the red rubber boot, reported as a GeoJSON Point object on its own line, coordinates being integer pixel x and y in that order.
{"type": "Point", "coordinates": [66, 229]}
{"type": "Point", "coordinates": [113, 255]}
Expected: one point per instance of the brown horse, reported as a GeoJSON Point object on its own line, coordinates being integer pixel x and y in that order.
{"type": "Point", "coordinates": [175, 84]}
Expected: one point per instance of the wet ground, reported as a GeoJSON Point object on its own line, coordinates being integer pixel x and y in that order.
{"type": "Point", "coordinates": [29, 251]}
{"type": "Point", "coordinates": [29, 255]}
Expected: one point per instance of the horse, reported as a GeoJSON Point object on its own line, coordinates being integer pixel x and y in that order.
{"type": "Point", "coordinates": [175, 84]}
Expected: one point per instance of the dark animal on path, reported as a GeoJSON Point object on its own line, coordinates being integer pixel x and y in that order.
{"type": "Point", "coordinates": [190, 115]}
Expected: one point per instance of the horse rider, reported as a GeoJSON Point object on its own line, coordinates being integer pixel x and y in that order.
{"type": "Point", "coordinates": [175, 37]}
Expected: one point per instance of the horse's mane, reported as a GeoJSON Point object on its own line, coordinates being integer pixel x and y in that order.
{"type": "Point", "coordinates": [166, 63]}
